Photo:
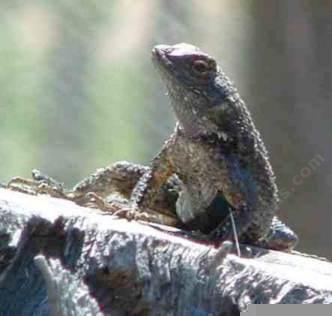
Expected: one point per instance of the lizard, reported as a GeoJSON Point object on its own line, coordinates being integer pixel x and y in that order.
{"type": "Point", "coordinates": [217, 153]}
{"type": "Point", "coordinates": [215, 160]}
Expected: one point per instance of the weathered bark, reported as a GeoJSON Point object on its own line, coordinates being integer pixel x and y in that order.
{"type": "Point", "coordinates": [98, 265]}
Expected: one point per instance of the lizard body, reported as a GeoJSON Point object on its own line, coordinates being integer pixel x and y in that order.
{"type": "Point", "coordinates": [214, 163]}
{"type": "Point", "coordinates": [215, 150]}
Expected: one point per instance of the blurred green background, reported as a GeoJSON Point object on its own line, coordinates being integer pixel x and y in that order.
{"type": "Point", "coordinates": [78, 91]}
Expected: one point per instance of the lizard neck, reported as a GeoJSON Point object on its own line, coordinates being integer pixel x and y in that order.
{"type": "Point", "coordinates": [190, 109]}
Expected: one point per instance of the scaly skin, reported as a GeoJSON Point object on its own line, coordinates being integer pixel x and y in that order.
{"type": "Point", "coordinates": [214, 162]}
{"type": "Point", "coordinates": [215, 150]}
{"type": "Point", "coordinates": [109, 190]}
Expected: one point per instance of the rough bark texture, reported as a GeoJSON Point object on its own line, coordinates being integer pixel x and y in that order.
{"type": "Point", "coordinates": [57, 258]}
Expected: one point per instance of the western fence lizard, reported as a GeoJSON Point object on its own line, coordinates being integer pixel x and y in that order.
{"type": "Point", "coordinates": [215, 161]}
{"type": "Point", "coordinates": [216, 152]}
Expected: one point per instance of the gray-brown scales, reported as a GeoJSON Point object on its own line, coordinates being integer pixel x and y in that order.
{"type": "Point", "coordinates": [216, 152]}
{"type": "Point", "coordinates": [214, 163]}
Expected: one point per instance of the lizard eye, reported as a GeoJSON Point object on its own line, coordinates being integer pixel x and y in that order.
{"type": "Point", "coordinates": [200, 66]}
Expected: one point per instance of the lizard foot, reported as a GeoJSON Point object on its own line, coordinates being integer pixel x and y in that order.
{"type": "Point", "coordinates": [115, 208]}
{"type": "Point", "coordinates": [90, 199]}
{"type": "Point", "coordinates": [22, 185]}
{"type": "Point", "coordinates": [39, 184]}
{"type": "Point", "coordinates": [133, 214]}
{"type": "Point", "coordinates": [147, 216]}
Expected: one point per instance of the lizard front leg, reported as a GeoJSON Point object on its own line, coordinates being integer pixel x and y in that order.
{"type": "Point", "coordinates": [103, 188]}
{"type": "Point", "coordinates": [149, 185]}
{"type": "Point", "coordinates": [119, 180]}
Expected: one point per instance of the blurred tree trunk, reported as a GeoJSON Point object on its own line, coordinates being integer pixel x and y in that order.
{"type": "Point", "coordinates": [172, 25]}
{"type": "Point", "coordinates": [289, 84]}
{"type": "Point", "coordinates": [65, 108]}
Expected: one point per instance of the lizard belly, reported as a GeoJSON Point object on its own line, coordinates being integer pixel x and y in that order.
{"type": "Point", "coordinates": [201, 178]}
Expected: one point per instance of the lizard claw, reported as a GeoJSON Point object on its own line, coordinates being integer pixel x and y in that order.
{"type": "Point", "coordinates": [39, 184]}
{"type": "Point", "coordinates": [22, 185]}
{"type": "Point", "coordinates": [91, 199]}
{"type": "Point", "coordinates": [132, 214]}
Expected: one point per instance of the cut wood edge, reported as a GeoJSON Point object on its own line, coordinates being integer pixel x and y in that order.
{"type": "Point", "coordinates": [118, 259]}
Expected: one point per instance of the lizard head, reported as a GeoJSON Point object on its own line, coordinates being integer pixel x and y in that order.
{"type": "Point", "coordinates": [195, 84]}
{"type": "Point", "coordinates": [185, 64]}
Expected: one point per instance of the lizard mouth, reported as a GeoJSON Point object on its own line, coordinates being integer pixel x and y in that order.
{"type": "Point", "coordinates": [160, 57]}
{"type": "Point", "coordinates": [158, 52]}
